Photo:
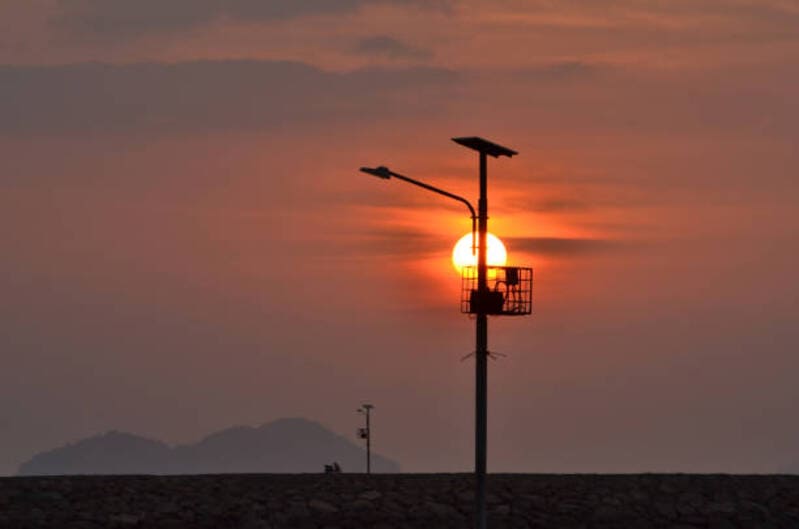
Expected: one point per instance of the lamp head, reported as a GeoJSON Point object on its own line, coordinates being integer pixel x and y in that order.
{"type": "Point", "coordinates": [380, 172]}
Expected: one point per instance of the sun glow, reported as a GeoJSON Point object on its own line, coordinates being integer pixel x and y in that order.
{"type": "Point", "coordinates": [462, 252]}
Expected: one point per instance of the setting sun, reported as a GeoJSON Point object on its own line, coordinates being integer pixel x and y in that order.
{"type": "Point", "coordinates": [462, 252]}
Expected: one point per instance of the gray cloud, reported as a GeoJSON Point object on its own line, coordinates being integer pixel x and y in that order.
{"type": "Point", "coordinates": [564, 246]}
{"type": "Point", "coordinates": [204, 95]}
{"type": "Point", "coordinates": [396, 242]}
{"type": "Point", "coordinates": [385, 46]}
{"type": "Point", "coordinates": [393, 242]}
{"type": "Point", "coordinates": [562, 204]}
{"type": "Point", "coordinates": [115, 18]}
{"type": "Point", "coordinates": [558, 71]}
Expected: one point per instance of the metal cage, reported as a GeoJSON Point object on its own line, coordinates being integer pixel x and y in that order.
{"type": "Point", "coordinates": [510, 291]}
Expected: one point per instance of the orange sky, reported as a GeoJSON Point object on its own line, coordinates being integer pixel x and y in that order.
{"type": "Point", "coordinates": [187, 243]}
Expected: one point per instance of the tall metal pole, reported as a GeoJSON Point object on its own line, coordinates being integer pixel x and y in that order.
{"type": "Point", "coordinates": [480, 308]}
{"type": "Point", "coordinates": [481, 352]}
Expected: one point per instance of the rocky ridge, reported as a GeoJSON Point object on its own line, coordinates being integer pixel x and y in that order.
{"type": "Point", "coordinates": [319, 501]}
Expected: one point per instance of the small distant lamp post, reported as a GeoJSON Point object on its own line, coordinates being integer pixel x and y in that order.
{"type": "Point", "coordinates": [366, 433]}
{"type": "Point", "coordinates": [507, 293]}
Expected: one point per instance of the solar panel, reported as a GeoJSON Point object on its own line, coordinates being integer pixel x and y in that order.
{"type": "Point", "coordinates": [481, 145]}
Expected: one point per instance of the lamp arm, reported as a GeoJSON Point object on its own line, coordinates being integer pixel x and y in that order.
{"type": "Point", "coordinates": [436, 190]}
{"type": "Point", "coordinates": [446, 194]}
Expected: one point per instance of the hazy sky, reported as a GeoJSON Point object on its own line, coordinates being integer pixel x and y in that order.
{"type": "Point", "coordinates": [186, 243]}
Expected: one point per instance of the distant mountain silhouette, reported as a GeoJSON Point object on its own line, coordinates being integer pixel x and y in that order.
{"type": "Point", "coordinates": [283, 446]}
{"type": "Point", "coordinates": [110, 453]}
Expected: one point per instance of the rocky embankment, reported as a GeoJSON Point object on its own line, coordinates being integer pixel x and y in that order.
{"type": "Point", "coordinates": [348, 501]}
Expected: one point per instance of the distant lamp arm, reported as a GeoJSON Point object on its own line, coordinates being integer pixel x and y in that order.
{"type": "Point", "coordinates": [385, 173]}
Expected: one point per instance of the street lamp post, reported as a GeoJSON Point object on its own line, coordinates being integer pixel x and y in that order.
{"type": "Point", "coordinates": [485, 148]}
{"type": "Point", "coordinates": [366, 433]}
{"type": "Point", "coordinates": [480, 301]}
